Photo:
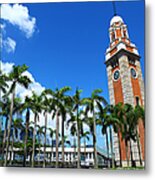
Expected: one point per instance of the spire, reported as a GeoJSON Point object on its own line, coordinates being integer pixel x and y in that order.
{"type": "Point", "coordinates": [114, 8]}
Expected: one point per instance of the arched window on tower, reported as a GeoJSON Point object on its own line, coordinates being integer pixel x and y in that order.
{"type": "Point", "coordinates": [125, 34]}
{"type": "Point", "coordinates": [137, 101]}
{"type": "Point", "coordinates": [113, 36]}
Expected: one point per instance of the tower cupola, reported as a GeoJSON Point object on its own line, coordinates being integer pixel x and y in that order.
{"type": "Point", "coordinates": [119, 38]}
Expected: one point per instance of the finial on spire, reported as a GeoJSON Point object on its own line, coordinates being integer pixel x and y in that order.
{"type": "Point", "coordinates": [114, 8]}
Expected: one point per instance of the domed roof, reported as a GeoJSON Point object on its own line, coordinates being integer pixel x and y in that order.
{"type": "Point", "coordinates": [116, 19]}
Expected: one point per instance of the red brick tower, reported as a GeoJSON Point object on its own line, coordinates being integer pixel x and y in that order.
{"type": "Point", "coordinates": [125, 81]}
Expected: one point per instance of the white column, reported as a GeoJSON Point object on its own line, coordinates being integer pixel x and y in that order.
{"type": "Point", "coordinates": [72, 157]}
{"type": "Point", "coordinates": [127, 89]}
{"type": "Point", "coordinates": [65, 157]}
{"type": "Point", "coordinates": [110, 84]}
{"type": "Point", "coordinates": [12, 154]}
{"type": "Point", "coordinates": [68, 157]}
{"type": "Point", "coordinates": [140, 77]}
{"type": "Point", "coordinates": [92, 156]}
{"type": "Point", "coordinates": [87, 156]}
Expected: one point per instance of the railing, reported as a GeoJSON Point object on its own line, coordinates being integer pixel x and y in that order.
{"type": "Point", "coordinates": [103, 152]}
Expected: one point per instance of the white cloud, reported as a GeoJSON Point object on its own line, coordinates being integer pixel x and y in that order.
{"type": "Point", "coordinates": [9, 44]}
{"type": "Point", "coordinates": [6, 67]}
{"type": "Point", "coordinates": [21, 91]}
{"type": "Point", "coordinates": [18, 15]}
{"type": "Point", "coordinates": [2, 26]}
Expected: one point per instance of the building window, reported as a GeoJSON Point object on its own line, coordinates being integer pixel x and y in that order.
{"type": "Point", "coordinates": [124, 32]}
{"type": "Point", "coordinates": [137, 100]}
{"type": "Point", "coordinates": [113, 36]}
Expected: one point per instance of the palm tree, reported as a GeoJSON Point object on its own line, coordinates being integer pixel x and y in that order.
{"type": "Point", "coordinates": [93, 104]}
{"type": "Point", "coordinates": [105, 132]}
{"type": "Point", "coordinates": [36, 104]}
{"type": "Point", "coordinates": [17, 125]}
{"type": "Point", "coordinates": [3, 83]}
{"type": "Point", "coordinates": [29, 145]}
{"type": "Point", "coordinates": [76, 130]}
{"type": "Point", "coordinates": [64, 110]}
{"type": "Point", "coordinates": [73, 132]}
{"type": "Point", "coordinates": [58, 101]}
{"type": "Point", "coordinates": [3, 86]}
{"type": "Point", "coordinates": [1, 141]}
{"type": "Point", "coordinates": [52, 134]}
{"type": "Point", "coordinates": [3, 89]}
{"type": "Point", "coordinates": [26, 106]}
{"type": "Point", "coordinates": [65, 140]}
{"type": "Point", "coordinates": [16, 77]}
{"type": "Point", "coordinates": [40, 132]}
{"type": "Point", "coordinates": [85, 137]}
{"type": "Point", "coordinates": [109, 121]}
{"type": "Point", "coordinates": [77, 103]}
{"type": "Point", "coordinates": [5, 105]}
{"type": "Point", "coordinates": [45, 138]}
{"type": "Point", "coordinates": [139, 115]}
{"type": "Point", "coordinates": [126, 116]}
{"type": "Point", "coordinates": [113, 121]}
{"type": "Point", "coordinates": [47, 107]}
{"type": "Point", "coordinates": [132, 118]}
{"type": "Point", "coordinates": [118, 113]}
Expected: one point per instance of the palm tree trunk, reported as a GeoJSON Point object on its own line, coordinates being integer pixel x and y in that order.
{"type": "Point", "coordinates": [126, 148]}
{"type": "Point", "coordinates": [94, 142]}
{"type": "Point", "coordinates": [85, 148]}
{"type": "Point", "coordinates": [51, 151]}
{"type": "Point", "coordinates": [79, 149]}
{"type": "Point", "coordinates": [107, 144]}
{"type": "Point", "coordinates": [112, 150]}
{"type": "Point", "coordinates": [39, 148]}
{"type": "Point", "coordinates": [138, 146]}
{"type": "Point", "coordinates": [34, 140]}
{"type": "Point", "coordinates": [79, 145]}
{"type": "Point", "coordinates": [63, 149]}
{"type": "Point", "coordinates": [75, 149]}
{"type": "Point", "coordinates": [30, 158]}
{"type": "Point", "coordinates": [57, 139]}
{"type": "Point", "coordinates": [12, 148]}
{"type": "Point", "coordinates": [26, 137]}
{"type": "Point", "coordinates": [4, 137]}
{"type": "Point", "coordinates": [131, 154]}
{"type": "Point", "coordinates": [44, 164]}
{"type": "Point", "coordinates": [120, 151]}
{"type": "Point", "coordinates": [9, 129]}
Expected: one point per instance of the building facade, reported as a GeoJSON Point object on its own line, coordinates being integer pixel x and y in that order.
{"type": "Point", "coordinates": [70, 156]}
{"type": "Point", "coordinates": [125, 81]}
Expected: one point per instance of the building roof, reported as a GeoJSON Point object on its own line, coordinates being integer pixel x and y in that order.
{"type": "Point", "coordinates": [116, 19]}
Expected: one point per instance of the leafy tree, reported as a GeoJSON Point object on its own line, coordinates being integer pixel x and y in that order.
{"type": "Point", "coordinates": [59, 96]}
{"type": "Point", "coordinates": [52, 134]}
{"type": "Point", "coordinates": [36, 104]}
{"type": "Point", "coordinates": [16, 77]}
{"type": "Point", "coordinates": [85, 136]}
{"type": "Point", "coordinates": [75, 118]}
{"type": "Point", "coordinates": [94, 103]}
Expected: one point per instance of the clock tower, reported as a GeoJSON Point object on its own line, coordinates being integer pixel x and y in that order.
{"type": "Point", "coordinates": [125, 81]}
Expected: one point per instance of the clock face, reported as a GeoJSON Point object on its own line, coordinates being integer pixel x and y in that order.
{"type": "Point", "coordinates": [133, 73]}
{"type": "Point", "coordinates": [116, 75]}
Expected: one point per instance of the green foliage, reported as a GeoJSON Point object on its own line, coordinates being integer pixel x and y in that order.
{"type": "Point", "coordinates": [74, 110]}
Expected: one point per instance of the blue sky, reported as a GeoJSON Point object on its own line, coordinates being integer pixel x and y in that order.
{"type": "Point", "coordinates": [69, 43]}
